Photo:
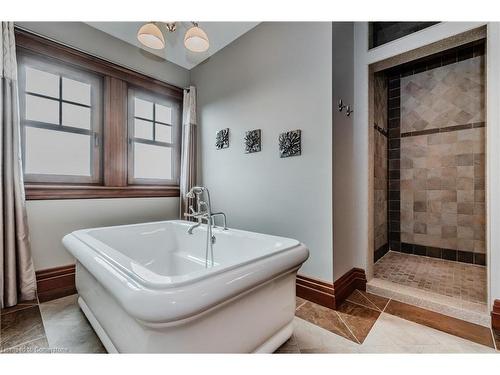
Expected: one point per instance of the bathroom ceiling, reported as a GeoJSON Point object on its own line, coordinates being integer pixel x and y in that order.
{"type": "Point", "coordinates": [220, 35]}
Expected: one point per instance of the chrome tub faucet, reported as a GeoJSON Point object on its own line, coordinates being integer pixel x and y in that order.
{"type": "Point", "coordinates": [204, 212]}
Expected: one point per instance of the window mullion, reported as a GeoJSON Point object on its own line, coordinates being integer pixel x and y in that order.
{"type": "Point", "coordinates": [154, 121]}
{"type": "Point", "coordinates": [115, 143]}
{"type": "Point", "coordinates": [60, 100]}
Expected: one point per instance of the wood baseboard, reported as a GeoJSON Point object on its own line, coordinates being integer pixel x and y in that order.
{"type": "Point", "coordinates": [55, 282]}
{"type": "Point", "coordinates": [327, 294]}
{"type": "Point", "coordinates": [495, 315]}
{"type": "Point", "coordinates": [347, 283]}
{"type": "Point", "coordinates": [316, 291]}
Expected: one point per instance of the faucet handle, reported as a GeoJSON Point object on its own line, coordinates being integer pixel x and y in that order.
{"type": "Point", "coordinates": [191, 209]}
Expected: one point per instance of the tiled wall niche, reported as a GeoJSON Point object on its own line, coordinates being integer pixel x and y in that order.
{"type": "Point", "coordinates": [435, 156]}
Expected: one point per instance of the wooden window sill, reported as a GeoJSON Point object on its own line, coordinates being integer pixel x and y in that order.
{"type": "Point", "coordinates": [44, 192]}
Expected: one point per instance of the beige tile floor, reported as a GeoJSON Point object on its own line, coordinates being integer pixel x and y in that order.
{"type": "Point", "coordinates": [67, 330]}
{"type": "Point", "coordinates": [390, 334]}
{"type": "Point", "coordinates": [466, 282]}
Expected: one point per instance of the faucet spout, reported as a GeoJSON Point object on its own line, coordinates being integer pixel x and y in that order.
{"type": "Point", "coordinates": [204, 212]}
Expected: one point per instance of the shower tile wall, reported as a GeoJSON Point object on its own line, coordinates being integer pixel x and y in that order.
{"type": "Point", "coordinates": [436, 156]}
{"type": "Point", "coordinates": [381, 245]}
{"type": "Point", "coordinates": [443, 97]}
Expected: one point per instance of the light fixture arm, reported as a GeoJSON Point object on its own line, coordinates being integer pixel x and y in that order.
{"type": "Point", "coordinates": [170, 26]}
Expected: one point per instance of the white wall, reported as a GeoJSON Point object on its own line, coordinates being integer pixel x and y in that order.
{"type": "Point", "coordinates": [492, 159]}
{"type": "Point", "coordinates": [97, 43]}
{"type": "Point", "coordinates": [277, 77]}
{"type": "Point", "coordinates": [50, 220]}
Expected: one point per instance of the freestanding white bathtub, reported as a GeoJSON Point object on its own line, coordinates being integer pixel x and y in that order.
{"type": "Point", "coordinates": [145, 288]}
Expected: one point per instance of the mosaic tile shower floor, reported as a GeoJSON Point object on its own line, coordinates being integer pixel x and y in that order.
{"type": "Point", "coordinates": [462, 281]}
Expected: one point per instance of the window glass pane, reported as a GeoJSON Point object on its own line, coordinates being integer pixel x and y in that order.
{"type": "Point", "coordinates": [41, 109]}
{"type": "Point", "coordinates": [143, 129]}
{"type": "Point", "coordinates": [76, 116]}
{"type": "Point", "coordinates": [152, 161]}
{"type": "Point", "coordinates": [163, 114]}
{"type": "Point", "coordinates": [163, 133]}
{"type": "Point", "coordinates": [75, 91]}
{"type": "Point", "coordinates": [384, 32]}
{"type": "Point", "coordinates": [57, 152]}
{"type": "Point", "coordinates": [143, 108]}
{"type": "Point", "coordinates": [41, 82]}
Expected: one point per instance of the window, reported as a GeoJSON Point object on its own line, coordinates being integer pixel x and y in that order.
{"type": "Point", "coordinates": [61, 119]}
{"type": "Point", "coordinates": [93, 129]}
{"type": "Point", "coordinates": [384, 32]}
{"type": "Point", "coordinates": [154, 123]}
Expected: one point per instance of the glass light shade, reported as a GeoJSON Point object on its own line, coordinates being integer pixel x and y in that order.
{"type": "Point", "coordinates": [196, 40]}
{"type": "Point", "coordinates": [150, 35]}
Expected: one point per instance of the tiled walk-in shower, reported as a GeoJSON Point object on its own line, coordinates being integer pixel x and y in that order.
{"type": "Point", "coordinates": [429, 169]}
{"type": "Point", "coordinates": [453, 279]}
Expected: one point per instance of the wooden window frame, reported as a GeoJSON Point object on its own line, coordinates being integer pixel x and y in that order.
{"type": "Point", "coordinates": [116, 80]}
{"type": "Point", "coordinates": [95, 132]}
{"type": "Point", "coordinates": [134, 92]}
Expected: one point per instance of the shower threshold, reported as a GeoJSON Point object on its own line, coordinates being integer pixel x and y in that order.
{"type": "Point", "coordinates": [450, 288]}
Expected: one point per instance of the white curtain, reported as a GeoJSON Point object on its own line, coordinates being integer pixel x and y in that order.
{"type": "Point", "coordinates": [188, 148]}
{"type": "Point", "coordinates": [17, 275]}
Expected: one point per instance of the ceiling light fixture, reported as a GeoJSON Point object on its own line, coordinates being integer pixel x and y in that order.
{"type": "Point", "coordinates": [195, 39]}
{"type": "Point", "coordinates": [151, 36]}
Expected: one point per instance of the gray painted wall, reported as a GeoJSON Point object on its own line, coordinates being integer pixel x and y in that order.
{"type": "Point", "coordinates": [344, 150]}
{"type": "Point", "coordinates": [50, 220]}
{"type": "Point", "coordinates": [97, 43]}
{"type": "Point", "coordinates": [277, 77]}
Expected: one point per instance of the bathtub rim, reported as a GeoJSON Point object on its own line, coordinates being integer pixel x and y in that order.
{"type": "Point", "coordinates": [169, 305]}
{"type": "Point", "coordinates": [166, 281]}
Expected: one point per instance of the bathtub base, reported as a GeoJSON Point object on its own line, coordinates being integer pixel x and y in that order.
{"type": "Point", "coordinates": [268, 347]}
{"type": "Point", "coordinates": [105, 340]}
{"type": "Point", "coordinates": [258, 321]}
{"type": "Point", "coordinates": [276, 340]}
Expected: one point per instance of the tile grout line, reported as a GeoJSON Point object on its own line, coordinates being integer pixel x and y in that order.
{"type": "Point", "coordinates": [43, 325]}
{"type": "Point", "coordinates": [302, 304]}
{"type": "Point", "coordinates": [382, 257]}
{"type": "Point", "coordinates": [369, 300]}
{"type": "Point", "coordinates": [387, 304]}
{"type": "Point", "coordinates": [493, 338]}
{"type": "Point", "coordinates": [366, 307]}
{"type": "Point", "coordinates": [349, 329]}
{"type": "Point", "coordinates": [378, 317]}
{"type": "Point", "coordinates": [374, 323]}
{"type": "Point", "coordinates": [22, 307]}
{"type": "Point", "coordinates": [24, 343]}
{"type": "Point", "coordinates": [340, 318]}
{"type": "Point", "coordinates": [358, 304]}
